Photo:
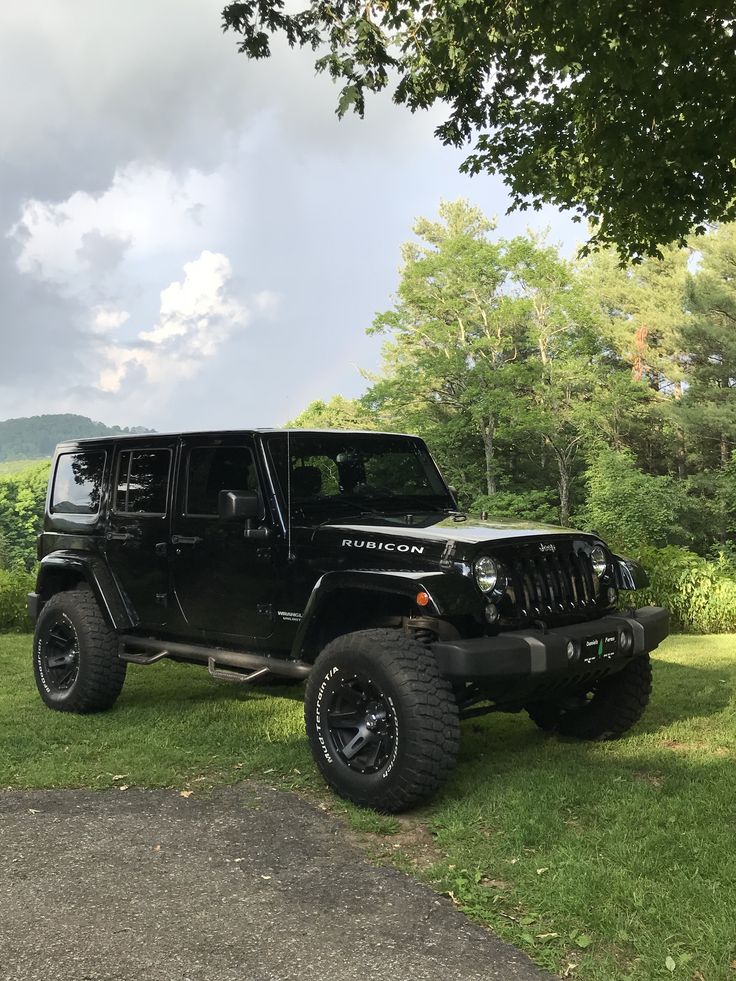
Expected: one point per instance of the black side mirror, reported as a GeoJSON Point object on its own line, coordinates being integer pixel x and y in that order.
{"type": "Point", "coordinates": [233, 505]}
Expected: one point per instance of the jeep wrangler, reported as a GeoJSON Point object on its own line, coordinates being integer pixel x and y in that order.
{"type": "Point", "coordinates": [341, 558]}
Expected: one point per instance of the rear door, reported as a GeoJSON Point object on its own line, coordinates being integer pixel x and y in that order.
{"type": "Point", "coordinates": [138, 527]}
{"type": "Point", "coordinates": [223, 580]}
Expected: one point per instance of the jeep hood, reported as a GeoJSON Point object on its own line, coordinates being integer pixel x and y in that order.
{"type": "Point", "coordinates": [473, 531]}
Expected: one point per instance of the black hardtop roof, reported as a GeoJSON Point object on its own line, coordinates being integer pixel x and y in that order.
{"type": "Point", "coordinates": [148, 437]}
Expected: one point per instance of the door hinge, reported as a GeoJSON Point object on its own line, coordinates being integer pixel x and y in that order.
{"type": "Point", "coordinates": [265, 610]}
{"type": "Point", "coordinates": [263, 553]}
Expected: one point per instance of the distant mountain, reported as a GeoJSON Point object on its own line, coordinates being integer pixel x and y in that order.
{"type": "Point", "coordinates": [34, 437]}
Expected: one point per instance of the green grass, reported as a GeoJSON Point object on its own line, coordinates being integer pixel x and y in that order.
{"type": "Point", "coordinates": [606, 861]}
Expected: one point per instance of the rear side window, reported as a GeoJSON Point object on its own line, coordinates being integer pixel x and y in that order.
{"type": "Point", "coordinates": [143, 481]}
{"type": "Point", "coordinates": [78, 483]}
{"type": "Point", "coordinates": [216, 468]}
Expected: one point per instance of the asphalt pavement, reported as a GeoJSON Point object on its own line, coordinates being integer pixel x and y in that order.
{"type": "Point", "coordinates": [251, 883]}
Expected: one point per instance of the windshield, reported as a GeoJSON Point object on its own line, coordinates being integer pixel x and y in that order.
{"type": "Point", "coordinates": [357, 474]}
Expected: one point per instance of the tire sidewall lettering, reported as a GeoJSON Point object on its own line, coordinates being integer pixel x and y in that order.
{"type": "Point", "coordinates": [323, 688]}
{"type": "Point", "coordinates": [41, 641]}
{"type": "Point", "coordinates": [326, 688]}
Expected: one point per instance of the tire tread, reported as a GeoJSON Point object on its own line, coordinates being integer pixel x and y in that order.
{"type": "Point", "coordinates": [425, 695]}
{"type": "Point", "coordinates": [100, 683]}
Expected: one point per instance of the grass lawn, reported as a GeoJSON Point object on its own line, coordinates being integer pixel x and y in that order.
{"type": "Point", "coordinates": [603, 861]}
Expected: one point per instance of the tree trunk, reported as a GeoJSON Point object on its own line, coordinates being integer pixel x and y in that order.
{"type": "Point", "coordinates": [488, 432]}
{"type": "Point", "coordinates": [563, 486]}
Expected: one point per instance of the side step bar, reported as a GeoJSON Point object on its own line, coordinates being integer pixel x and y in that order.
{"type": "Point", "coordinates": [230, 674]}
{"type": "Point", "coordinates": [148, 650]}
{"type": "Point", "coordinates": [132, 658]}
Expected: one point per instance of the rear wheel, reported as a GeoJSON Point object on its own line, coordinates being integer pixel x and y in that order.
{"type": "Point", "coordinates": [381, 720]}
{"type": "Point", "coordinates": [606, 711]}
{"type": "Point", "coordinates": [75, 655]}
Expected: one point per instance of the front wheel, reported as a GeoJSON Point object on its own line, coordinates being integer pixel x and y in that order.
{"type": "Point", "coordinates": [382, 722]}
{"type": "Point", "coordinates": [606, 711]}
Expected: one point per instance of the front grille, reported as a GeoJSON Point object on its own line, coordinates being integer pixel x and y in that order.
{"type": "Point", "coordinates": [550, 582]}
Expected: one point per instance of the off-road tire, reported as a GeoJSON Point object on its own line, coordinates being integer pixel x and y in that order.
{"type": "Point", "coordinates": [618, 701]}
{"type": "Point", "coordinates": [421, 711]}
{"type": "Point", "coordinates": [100, 672]}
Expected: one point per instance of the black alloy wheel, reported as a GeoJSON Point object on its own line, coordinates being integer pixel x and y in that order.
{"type": "Point", "coordinates": [381, 721]}
{"type": "Point", "coordinates": [361, 724]}
{"type": "Point", "coordinates": [58, 651]}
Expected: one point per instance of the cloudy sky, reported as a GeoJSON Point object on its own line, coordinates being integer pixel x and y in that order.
{"type": "Point", "coordinates": [190, 240]}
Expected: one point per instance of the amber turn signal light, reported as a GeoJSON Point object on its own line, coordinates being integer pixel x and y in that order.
{"type": "Point", "coordinates": [422, 599]}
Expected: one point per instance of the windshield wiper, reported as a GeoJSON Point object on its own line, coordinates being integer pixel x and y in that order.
{"type": "Point", "coordinates": [350, 516]}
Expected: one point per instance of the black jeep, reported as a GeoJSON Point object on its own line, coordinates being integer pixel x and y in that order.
{"type": "Point", "coordinates": [342, 558]}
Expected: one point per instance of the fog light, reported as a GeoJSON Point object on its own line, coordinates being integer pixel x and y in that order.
{"type": "Point", "coordinates": [570, 650]}
{"type": "Point", "coordinates": [625, 641]}
{"type": "Point", "coordinates": [492, 613]}
{"type": "Point", "coordinates": [612, 595]}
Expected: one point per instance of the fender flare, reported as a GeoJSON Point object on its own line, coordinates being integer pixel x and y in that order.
{"type": "Point", "coordinates": [91, 570]}
{"type": "Point", "coordinates": [449, 595]}
{"type": "Point", "coordinates": [629, 574]}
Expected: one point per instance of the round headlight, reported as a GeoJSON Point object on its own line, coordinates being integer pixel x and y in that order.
{"type": "Point", "coordinates": [599, 559]}
{"type": "Point", "coordinates": [486, 573]}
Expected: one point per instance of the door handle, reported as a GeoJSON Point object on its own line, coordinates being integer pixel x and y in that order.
{"type": "Point", "coordinates": [185, 540]}
{"type": "Point", "coordinates": [119, 536]}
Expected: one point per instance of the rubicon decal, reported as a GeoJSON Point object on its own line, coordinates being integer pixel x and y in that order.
{"type": "Point", "coordinates": [382, 546]}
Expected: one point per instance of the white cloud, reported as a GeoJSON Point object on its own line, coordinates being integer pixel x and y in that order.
{"type": "Point", "coordinates": [106, 319]}
{"type": "Point", "coordinates": [144, 211]}
{"type": "Point", "coordinates": [197, 315]}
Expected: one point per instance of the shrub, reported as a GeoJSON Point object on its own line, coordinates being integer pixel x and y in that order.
{"type": "Point", "coordinates": [699, 593]}
{"type": "Point", "coordinates": [630, 508]}
{"type": "Point", "coordinates": [534, 505]}
{"type": "Point", "coordinates": [14, 588]}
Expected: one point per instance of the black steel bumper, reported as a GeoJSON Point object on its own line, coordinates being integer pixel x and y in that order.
{"type": "Point", "coordinates": [34, 606]}
{"type": "Point", "coordinates": [605, 644]}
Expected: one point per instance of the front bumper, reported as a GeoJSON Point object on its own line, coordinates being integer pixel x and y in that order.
{"type": "Point", "coordinates": [534, 654]}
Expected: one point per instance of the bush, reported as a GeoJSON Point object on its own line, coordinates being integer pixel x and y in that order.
{"type": "Point", "coordinates": [534, 505]}
{"type": "Point", "coordinates": [630, 508]}
{"type": "Point", "coordinates": [699, 593]}
{"type": "Point", "coordinates": [14, 588]}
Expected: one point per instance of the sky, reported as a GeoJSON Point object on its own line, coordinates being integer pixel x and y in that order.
{"type": "Point", "coordinates": [190, 240]}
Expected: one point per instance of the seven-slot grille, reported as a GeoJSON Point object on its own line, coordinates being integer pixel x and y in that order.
{"type": "Point", "coordinates": [547, 580]}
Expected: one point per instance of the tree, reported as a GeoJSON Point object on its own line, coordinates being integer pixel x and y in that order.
{"type": "Point", "coordinates": [644, 312]}
{"type": "Point", "coordinates": [338, 413]}
{"type": "Point", "coordinates": [454, 358]}
{"type": "Point", "coordinates": [619, 110]}
{"type": "Point", "coordinates": [22, 498]}
{"type": "Point", "coordinates": [708, 407]}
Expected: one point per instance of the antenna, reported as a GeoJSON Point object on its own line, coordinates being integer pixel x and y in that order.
{"type": "Point", "coordinates": [289, 553]}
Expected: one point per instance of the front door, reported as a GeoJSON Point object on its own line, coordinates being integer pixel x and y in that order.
{"type": "Point", "coordinates": [138, 528]}
{"type": "Point", "coordinates": [223, 579]}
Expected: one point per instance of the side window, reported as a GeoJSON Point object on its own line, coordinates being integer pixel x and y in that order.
{"type": "Point", "coordinates": [215, 468]}
{"type": "Point", "coordinates": [78, 483]}
{"type": "Point", "coordinates": [143, 481]}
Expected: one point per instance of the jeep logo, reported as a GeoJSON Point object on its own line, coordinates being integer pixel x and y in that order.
{"type": "Point", "coordinates": [382, 546]}
{"type": "Point", "coordinates": [549, 547]}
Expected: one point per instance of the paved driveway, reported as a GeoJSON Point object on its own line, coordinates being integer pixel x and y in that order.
{"type": "Point", "coordinates": [250, 884]}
